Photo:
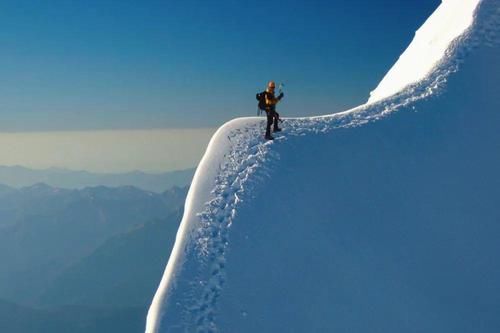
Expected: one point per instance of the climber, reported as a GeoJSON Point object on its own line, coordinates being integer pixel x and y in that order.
{"type": "Point", "coordinates": [267, 102]}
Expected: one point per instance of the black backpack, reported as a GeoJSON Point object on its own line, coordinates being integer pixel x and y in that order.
{"type": "Point", "coordinates": [261, 97]}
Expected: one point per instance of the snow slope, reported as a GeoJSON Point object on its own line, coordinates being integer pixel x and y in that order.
{"type": "Point", "coordinates": [428, 47]}
{"type": "Point", "coordinates": [369, 220]}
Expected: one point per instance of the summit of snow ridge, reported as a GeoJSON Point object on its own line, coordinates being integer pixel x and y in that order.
{"type": "Point", "coordinates": [450, 20]}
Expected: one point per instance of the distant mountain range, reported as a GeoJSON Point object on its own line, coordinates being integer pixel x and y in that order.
{"type": "Point", "coordinates": [85, 260]}
{"type": "Point", "coordinates": [18, 176]}
{"type": "Point", "coordinates": [123, 272]}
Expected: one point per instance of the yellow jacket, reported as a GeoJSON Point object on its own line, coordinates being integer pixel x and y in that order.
{"type": "Point", "coordinates": [271, 100]}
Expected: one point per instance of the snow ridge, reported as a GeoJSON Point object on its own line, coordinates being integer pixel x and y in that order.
{"type": "Point", "coordinates": [244, 164]}
{"type": "Point", "coordinates": [428, 47]}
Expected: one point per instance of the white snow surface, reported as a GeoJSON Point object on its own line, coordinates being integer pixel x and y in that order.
{"type": "Point", "coordinates": [251, 214]}
{"type": "Point", "coordinates": [431, 41]}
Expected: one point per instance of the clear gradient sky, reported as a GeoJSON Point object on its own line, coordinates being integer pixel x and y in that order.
{"type": "Point", "coordinates": [85, 65]}
{"type": "Point", "coordinates": [83, 68]}
{"type": "Point", "coordinates": [106, 151]}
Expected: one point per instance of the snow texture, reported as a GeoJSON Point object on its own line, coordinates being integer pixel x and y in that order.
{"type": "Point", "coordinates": [428, 47]}
{"type": "Point", "coordinates": [378, 219]}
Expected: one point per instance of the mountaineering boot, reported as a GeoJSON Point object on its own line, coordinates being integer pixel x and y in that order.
{"type": "Point", "coordinates": [276, 129]}
{"type": "Point", "coordinates": [269, 137]}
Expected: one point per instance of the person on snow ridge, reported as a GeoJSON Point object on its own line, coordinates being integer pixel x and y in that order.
{"type": "Point", "coordinates": [272, 115]}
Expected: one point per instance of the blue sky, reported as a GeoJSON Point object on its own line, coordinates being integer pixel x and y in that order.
{"type": "Point", "coordinates": [86, 65]}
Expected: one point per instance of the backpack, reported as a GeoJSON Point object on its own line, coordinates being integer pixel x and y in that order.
{"type": "Point", "coordinates": [261, 97]}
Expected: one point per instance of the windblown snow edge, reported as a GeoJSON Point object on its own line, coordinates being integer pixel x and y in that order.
{"type": "Point", "coordinates": [235, 156]}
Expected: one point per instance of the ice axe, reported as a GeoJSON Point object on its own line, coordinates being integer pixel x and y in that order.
{"type": "Point", "coordinates": [280, 89]}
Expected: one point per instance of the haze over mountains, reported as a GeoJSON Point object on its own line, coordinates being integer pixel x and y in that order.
{"type": "Point", "coordinates": [18, 176]}
{"type": "Point", "coordinates": [82, 260]}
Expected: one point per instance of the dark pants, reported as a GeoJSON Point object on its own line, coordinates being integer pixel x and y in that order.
{"type": "Point", "coordinates": [272, 118]}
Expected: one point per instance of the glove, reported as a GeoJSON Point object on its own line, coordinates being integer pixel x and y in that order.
{"type": "Point", "coordinates": [281, 96]}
